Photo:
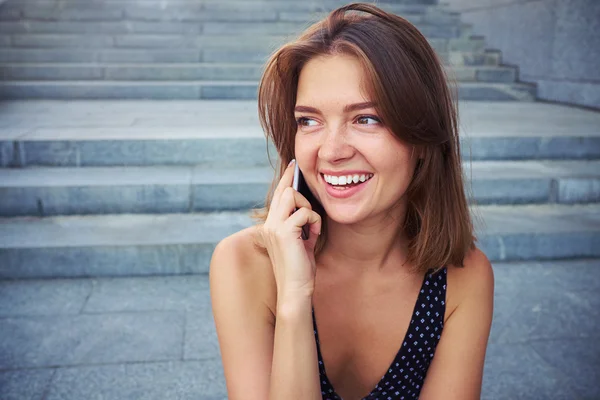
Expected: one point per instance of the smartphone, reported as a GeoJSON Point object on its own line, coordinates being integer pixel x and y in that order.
{"type": "Point", "coordinates": [300, 186]}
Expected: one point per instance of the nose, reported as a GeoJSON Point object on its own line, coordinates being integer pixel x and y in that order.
{"type": "Point", "coordinates": [334, 145]}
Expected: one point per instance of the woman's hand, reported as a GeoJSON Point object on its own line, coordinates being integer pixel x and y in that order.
{"type": "Point", "coordinates": [292, 258]}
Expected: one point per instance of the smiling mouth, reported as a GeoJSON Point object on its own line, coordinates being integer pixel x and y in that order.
{"type": "Point", "coordinates": [345, 182]}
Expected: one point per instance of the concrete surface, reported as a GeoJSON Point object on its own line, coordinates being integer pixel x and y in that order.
{"type": "Point", "coordinates": [154, 337]}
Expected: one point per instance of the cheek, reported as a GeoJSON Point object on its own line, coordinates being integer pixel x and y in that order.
{"type": "Point", "coordinates": [394, 158]}
{"type": "Point", "coordinates": [397, 164]}
{"type": "Point", "coordinates": [305, 149]}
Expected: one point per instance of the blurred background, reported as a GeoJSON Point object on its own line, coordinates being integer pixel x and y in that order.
{"type": "Point", "coordinates": [130, 145]}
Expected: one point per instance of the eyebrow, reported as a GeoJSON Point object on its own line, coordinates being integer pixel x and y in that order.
{"type": "Point", "coordinates": [348, 108]}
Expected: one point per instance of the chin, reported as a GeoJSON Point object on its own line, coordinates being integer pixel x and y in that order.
{"type": "Point", "coordinates": [345, 214]}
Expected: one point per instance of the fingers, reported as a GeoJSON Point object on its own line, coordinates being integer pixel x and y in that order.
{"type": "Point", "coordinates": [284, 203]}
{"type": "Point", "coordinates": [302, 217]}
{"type": "Point", "coordinates": [288, 202]}
{"type": "Point", "coordinates": [284, 182]}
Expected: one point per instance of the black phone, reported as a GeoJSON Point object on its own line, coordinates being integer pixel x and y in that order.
{"type": "Point", "coordinates": [300, 186]}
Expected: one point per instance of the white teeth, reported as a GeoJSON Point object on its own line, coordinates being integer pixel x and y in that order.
{"type": "Point", "coordinates": [346, 180]}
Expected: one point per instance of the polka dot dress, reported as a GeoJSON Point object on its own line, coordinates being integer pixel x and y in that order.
{"type": "Point", "coordinates": [405, 376]}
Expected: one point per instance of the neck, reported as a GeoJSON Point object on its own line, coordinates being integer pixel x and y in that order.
{"type": "Point", "coordinates": [372, 247]}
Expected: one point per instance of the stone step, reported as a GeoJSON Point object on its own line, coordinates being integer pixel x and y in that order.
{"type": "Point", "coordinates": [462, 58]}
{"type": "Point", "coordinates": [490, 74]}
{"type": "Point", "coordinates": [185, 10]}
{"type": "Point", "coordinates": [150, 41]}
{"type": "Point", "coordinates": [234, 147]}
{"type": "Point", "coordinates": [134, 72]}
{"type": "Point", "coordinates": [180, 189]}
{"type": "Point", "coordinates": [491, 91]}
{"type": "Point", "coordinates": [199, 71]}
{"type": "Point", "coordinates": [430, 30]}
{"type": "Point", "coordinates": [431, 15]}
{"type": "Point", "coordinates": [172, 41]}
{"type": "Point", "coordinates": [213, 90]}
{"type": "Point", "coordinates": [294, 5]}
{"type": "Point", "coordinates": [228, 134]}
{"type": "Point", "coordinates": [226, 148]}
{"type": "Point", "coordinates": [452, 30]}
{"type": "Point", "coordinates": [243, 53]}
{"type": "Point", "coordinates": [123, 245]}
{"type": "Point", "coordinates": [197, 13]}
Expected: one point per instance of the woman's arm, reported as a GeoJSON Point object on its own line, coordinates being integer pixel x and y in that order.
{"type": "Point", "coordinates": [263, 358]}
{"type": "Point", "coordinates": [295, 373]}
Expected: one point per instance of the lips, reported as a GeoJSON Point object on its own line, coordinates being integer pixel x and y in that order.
{"type": "Point", "coordinates": [346, 191]}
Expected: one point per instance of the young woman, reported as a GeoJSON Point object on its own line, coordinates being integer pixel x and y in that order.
{"type": "Point", "coordinates": [389, 298]}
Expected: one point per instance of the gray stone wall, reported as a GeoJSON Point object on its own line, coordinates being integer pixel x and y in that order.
{"type": "Point", "coordinates": [556, 43]}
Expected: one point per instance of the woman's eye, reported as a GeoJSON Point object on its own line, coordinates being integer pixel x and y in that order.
{"type": "Point", "coordinates": [303, 121]}
{"type": "Point", "coordinates": [365, 118]}
{"type": "Point", "coordinates": [362, 120]}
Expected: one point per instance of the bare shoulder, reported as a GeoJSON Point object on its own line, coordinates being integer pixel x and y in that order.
{"type": "Point", "coordinates": [237, 257]}
{"type": "Point", "coordinates": [241, 248]}
{"type": "Point", "coordinates": [456, 371]}
{"type": "Point", "coordinates": [474, 281]}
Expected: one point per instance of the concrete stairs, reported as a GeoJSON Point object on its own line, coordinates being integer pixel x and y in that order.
{"type": "Point", "coordinates": [205, 49]}
{"type": "Point", "coordinates": [55, 191]}
{"type": "Point", "coordinates": [117, 188]}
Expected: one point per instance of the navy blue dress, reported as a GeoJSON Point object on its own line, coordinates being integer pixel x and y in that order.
{"type": "Point", "coordinates": [405, 376]}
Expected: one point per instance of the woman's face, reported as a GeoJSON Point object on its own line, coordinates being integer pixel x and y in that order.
{"type": "Point", "coordinates": [340, 136]}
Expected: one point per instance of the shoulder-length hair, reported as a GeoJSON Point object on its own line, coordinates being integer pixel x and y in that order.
{"type": "Point", "coordinates": [407, 81]}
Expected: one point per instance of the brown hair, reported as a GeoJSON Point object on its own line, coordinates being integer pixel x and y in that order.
{"type": "Point", "coordinates": [409, 85]}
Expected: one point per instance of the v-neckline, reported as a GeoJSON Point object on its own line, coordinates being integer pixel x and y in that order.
{"type": "Point", "coordinates": [396, 357]}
